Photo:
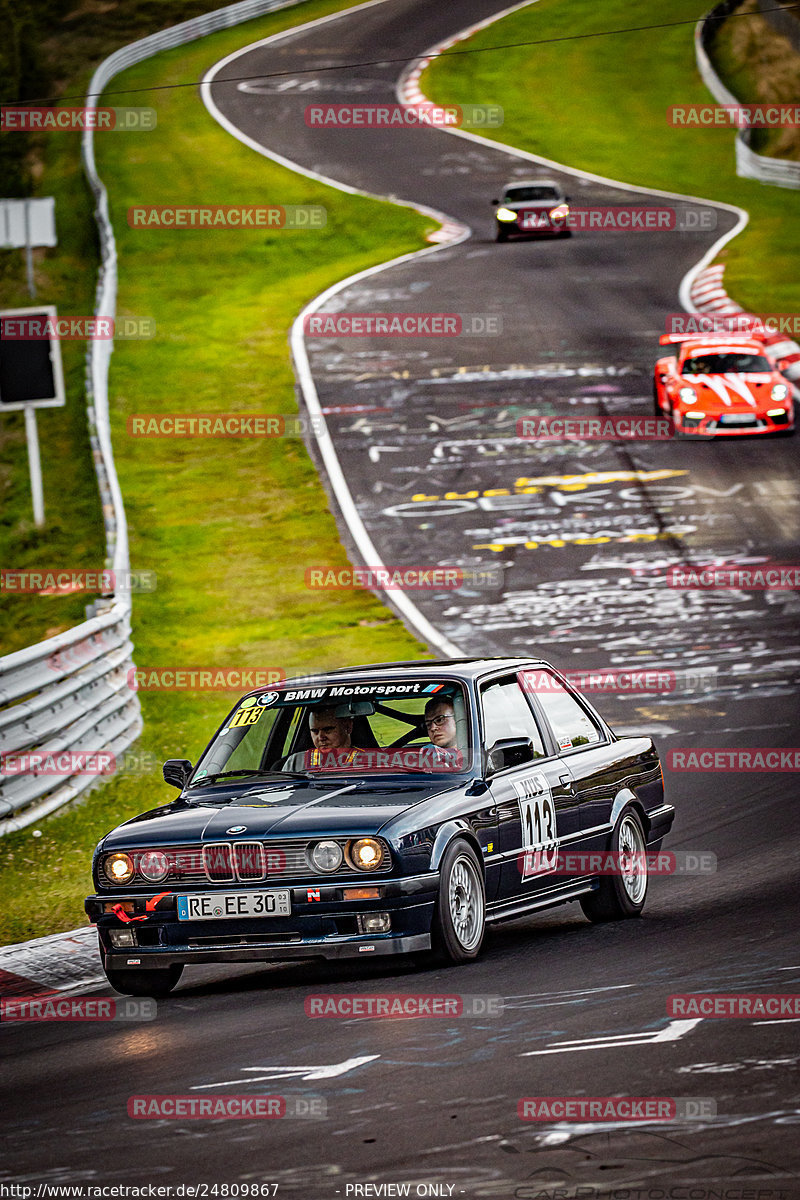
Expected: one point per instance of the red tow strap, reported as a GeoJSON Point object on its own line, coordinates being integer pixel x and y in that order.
{"type": "Point", "coordinates": [151, 905]}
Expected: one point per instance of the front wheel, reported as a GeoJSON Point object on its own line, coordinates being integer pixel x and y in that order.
{"type": "Point", "coordinates": [158, 982]}
{"type": "Point", "coordinates": [623, 894]}
{"type": "Point", "coordinates": [501, 235]}
{"type": "Point", "coordinates": [459, 922]}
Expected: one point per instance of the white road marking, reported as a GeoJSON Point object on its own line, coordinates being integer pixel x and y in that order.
{"type": "Point", "coordinates": [329, 1072]}
{"type": "Point", "coordinates": [671, 1033]}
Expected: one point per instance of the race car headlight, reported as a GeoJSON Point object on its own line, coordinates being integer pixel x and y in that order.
{"type": "Point", "coordinates": [779, 392]}
{"type": "Point", "coordinates": [327, 856]}
{"type": "Point", "coordinates": [506, 214]}
{"type": "Point", "coordinates": [559, 212]}
{"type": "Point", "coordinates": [687, 395]}
{"type": "Point", "coordinates": [775, 413]}
{"type": "Point", "coordinates": [154, 865]}
{"type": "Point", "coordinates": [366, 854]}
{"type": "Point", "coordinates": [695, 414]}
{"type": "Point", "coordinates": [119, 868]}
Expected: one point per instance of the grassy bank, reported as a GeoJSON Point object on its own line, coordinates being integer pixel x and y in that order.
{"type": "Point", "coordinates": [599, 103]}
{"type": "Point", "coordinates": [228, 525]}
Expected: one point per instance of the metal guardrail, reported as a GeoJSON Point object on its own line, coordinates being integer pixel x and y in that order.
{"type": "Point", "coordinates": [70, 692]}
{"type": "Point", "coordinates": [780, 172]}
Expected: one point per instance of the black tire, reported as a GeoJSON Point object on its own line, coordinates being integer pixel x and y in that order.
{"type": "Point", "coordinates": [619, 896]}
{"type": "Point", "coordinates": [501, 235]}
{"type": "Point", "coordinates": [656, 405]}
{"type": "Point", "coordinates": [158, 982]}
{"type": "Point", "coordinates": [459, 920]}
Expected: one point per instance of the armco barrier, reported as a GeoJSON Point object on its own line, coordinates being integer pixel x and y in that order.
{"type": "Point", "coordinates": [780, 172]}
{"type": "Point", "coordinates": [70, 692]}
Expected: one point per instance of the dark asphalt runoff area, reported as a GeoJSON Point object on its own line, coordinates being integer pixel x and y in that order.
{"type": "Point", "coordinates": [580, 539]}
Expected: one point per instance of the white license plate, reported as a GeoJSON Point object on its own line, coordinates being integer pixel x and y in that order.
{"type": "Point", "coordinates": [222, 906]}
{"type": "Point", "coordinates": [737, 419]}
{"type": "Point", "coordinates": [536, 222]}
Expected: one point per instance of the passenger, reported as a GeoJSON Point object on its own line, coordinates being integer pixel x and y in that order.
{"type": "Point", "coordinates": [332, 745]}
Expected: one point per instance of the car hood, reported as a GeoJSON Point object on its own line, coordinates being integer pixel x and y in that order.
{"type": "Point", "coordinates": [297, 808]}
{"type": "Point", "coordinates": [746, 392]}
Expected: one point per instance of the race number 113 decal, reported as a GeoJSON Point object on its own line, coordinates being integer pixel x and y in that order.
{"type": "Point", "coordinates": [537, 814]}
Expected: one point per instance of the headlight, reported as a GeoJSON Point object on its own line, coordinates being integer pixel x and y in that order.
{"type": "Point", "coordinates": [505, 214]}
{"type": "Point", "coordinates": [119, 868]}
{"type": "Point", "coordinates": [327, 856]}
{"type": "Point", "coordinates": [558, 213]}
{"type": "Point", "coordinates": [687, 395]}
{"type": "Point", "coordinates": [154, 865]}
{"type": "Point", "coordinates": [779, 392]}
{"type": "Point", "coordinates": [366, 854]}
{"type": "Point", "coordinates": [695, 414]}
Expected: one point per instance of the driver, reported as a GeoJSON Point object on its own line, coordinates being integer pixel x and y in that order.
{"type": "Point", "coordinates": [332, 745]}
{"type": "Point", "coordinates": [440, 723]}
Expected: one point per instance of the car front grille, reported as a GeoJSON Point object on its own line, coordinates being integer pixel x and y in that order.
{"type": "Point", "coordinates": [231, 863]}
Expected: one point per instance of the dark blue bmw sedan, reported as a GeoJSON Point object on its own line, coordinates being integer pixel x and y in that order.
{"type": "Point", "coordinates": [381, 810]}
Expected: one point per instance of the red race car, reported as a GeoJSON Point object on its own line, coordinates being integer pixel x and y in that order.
{"type": "Point", "coordinates": [722, 385]}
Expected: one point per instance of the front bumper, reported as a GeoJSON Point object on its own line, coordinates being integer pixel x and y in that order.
{"type": "Point", "coordinates": [316, 929]}
{"type": "Point", "coordinates": [711, 427]}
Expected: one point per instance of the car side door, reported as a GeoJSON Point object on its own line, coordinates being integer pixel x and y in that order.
{"type": "Point", "coordinates": [533, 791]}
{"type": "Point", "coordinates": [587, 747]}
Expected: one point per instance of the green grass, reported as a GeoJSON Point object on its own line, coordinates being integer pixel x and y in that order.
{"type": "Point", "coordinates": [599, 103]}
{"type": "Point", "coordinates": [228, 525]}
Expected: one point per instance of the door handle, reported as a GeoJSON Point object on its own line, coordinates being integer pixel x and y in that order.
{"type": "Point", "coordinates": [566, 781]}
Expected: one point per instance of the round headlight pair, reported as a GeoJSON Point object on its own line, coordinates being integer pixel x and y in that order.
{"type": "Point", "coordinates": [366, 854]}
{"type": "Point", "coordinates": [153, 866]}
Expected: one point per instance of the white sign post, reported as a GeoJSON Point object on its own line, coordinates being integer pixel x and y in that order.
{"type": "Point", "coordinates": [28, 223]}
{"type": "Point", "coordinates": [31, 377]}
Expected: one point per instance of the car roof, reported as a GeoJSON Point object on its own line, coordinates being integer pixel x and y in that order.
{"type": "Point", "coordinates": [465, 668]}
{"type": "Point", "coordinates": [725, 346]}
{"type": "Point", "coordinates": [532, 183]}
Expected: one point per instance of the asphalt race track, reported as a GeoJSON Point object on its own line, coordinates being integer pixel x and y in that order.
{"type": "Point", "coordinates": [579, 576]}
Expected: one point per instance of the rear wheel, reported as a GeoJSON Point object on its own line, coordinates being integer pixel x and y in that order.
{"type": "Point", "coordinates": [459, 922]}
{"type": "Point", "coordinates": [623, 894]}
{"type": "Point", "coordinates": [157, 982]}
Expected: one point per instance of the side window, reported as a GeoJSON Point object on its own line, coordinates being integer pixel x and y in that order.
{"type": "Point", "coordinates": [571, 724]}
{"type": "Point", "coordinates": [507, 714]}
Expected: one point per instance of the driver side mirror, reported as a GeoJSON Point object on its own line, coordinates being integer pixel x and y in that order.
{"type": "Point", "coordinates": [176, 771]}
{"type": "Point", "coordinates": [495, 202]}
{"type": "Point", "coordinates": [508, 752]}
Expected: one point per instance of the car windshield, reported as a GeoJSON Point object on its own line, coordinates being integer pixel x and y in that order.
{"type": "Point", "coordinates": [723, 364]}
{"type": "Point", "coordinates": [352, 728]}
{"type": "Point", "coordinates": [515, 194]}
